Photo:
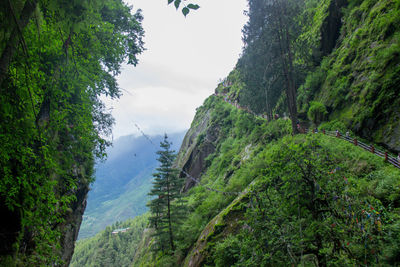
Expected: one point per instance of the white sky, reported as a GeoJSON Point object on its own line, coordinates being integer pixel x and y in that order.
{"type": "Point", "coordinates": [184, 60]}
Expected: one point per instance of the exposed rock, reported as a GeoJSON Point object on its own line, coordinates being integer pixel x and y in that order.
{"type": "Point", "coordinates": [330, 29]}
{"type": "Point", "coordinates": [225, 223]}
{"type": "Point", "coordinates": [391, 134]}
{"type": "Point", "coordinates": [73, 220]}
{"type": "Point", "coordinates": [197, 145]}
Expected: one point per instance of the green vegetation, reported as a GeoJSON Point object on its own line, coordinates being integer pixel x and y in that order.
{"type": "Point", "coordinates": [166, 208]}
{"type": "Point", "coordinates": [359, 80]}
{"type": "Point", "coordinates": [318, 201]}
{"type": "Point", "coordinates": [57, 59]}
{"type": "Point", "coordinates": [264, 197]}
{"type": "Point", "coordinates": [271, 63]}
{"type": "Point", "coordinates": [317, 112]}
{"type": "Point", "coordinates": [309, 199]}
{"type": "Point", "coordinates": [186, 7]}
{"type": "Point", "coordinates": [107, 249]}
{"type": "Point", "coordinates": [344, 55]}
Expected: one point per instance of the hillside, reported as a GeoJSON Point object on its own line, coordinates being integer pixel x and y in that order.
{"type": "Point", "coordinates": [359, 80]}
{"type": "Point", "coordinates": [282, 187]}
{"type": "Point", "coordinates": [259, 194]}
{"type": "Point", "coordinates": [119, 191]}
{"type": "Point", "coordinates": [107, 249]}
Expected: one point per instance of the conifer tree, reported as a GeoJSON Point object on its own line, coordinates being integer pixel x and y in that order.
{"type": "Point", "coordinates": [164, 209]}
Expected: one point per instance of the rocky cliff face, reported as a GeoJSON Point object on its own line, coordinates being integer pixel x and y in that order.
{"type": "Point", "coordinates": [360, 76]}
{"type": "Point", "coordinates": [330, 29]}
{"type": "Point", "coordinates": [198, 144]}
{"type": "Point", "coordinates": [73, 220]}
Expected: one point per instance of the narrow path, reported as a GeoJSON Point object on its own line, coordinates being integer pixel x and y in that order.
{"type": "Point", "coordinates": [383, 154]}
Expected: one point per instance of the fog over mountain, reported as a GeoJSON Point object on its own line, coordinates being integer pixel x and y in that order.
{"type": "Point", "coordinates": [122, 181]}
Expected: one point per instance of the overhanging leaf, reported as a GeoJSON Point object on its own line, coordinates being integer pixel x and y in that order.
{"type": "Point", "coordinates": [170, 1]}
{"type": "Point", "coordinates": [177, 3]}
{"type": "Point", "coordinates": [192, 6]}
{"type": "Point", "coordinates": [185, 11]}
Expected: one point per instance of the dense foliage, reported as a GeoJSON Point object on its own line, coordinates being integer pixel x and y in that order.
{"type": "Point", "coordinates": [240, 137]}
{"type": "Point", "coordinates": [273, 60]}
{"type": "Point", "coordinates": [317, 112]}
{"type": "Point", "coordinates": [319, 202]}
{"type": "Point", "coordinates": [57, 58]}
{"type": "Point", "coordinates": [306, 200]}
{"type": "Point", "coordinates": [269, 199]}
{"type": "Point", "coordinates": [344, 55]}
{"type": "Point", "coordinates": [359, 81]}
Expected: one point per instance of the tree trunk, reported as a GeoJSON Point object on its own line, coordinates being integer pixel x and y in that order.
{"type": "Point", "coordinates": [287, 64]}
{"type": "Point", "coordinates": [11, 46]}
{"type": "Point", "coordinates": [292, 94]}
{"type": "Point", "coordinates": [171, 239]}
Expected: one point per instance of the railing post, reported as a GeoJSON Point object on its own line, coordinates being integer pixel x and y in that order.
{"type": "Point", "coordinates": [386, 156]}
{"type": "Point", "coordinates": [372, 149]}
{"type": "Point", "coordinates": [355, 142]}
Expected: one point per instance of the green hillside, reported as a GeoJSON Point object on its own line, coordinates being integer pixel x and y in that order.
{"type": "Point", "coordinates": [278, 188]}
{"type": "Point", "coordinates": [261, 192]}
{"type": "Point", "coordinates": [107, 249]}
{"type": "Point", "coordinates": [359, 80]}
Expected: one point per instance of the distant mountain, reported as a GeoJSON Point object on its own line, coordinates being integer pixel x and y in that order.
{"type": "Point", "coordinates": [122, 182]}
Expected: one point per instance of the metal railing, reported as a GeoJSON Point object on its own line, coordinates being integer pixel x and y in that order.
{"type": "Point", "coordinates": [383, 154]}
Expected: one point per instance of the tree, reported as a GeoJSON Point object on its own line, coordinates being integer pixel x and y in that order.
{"type": "Point", "coordinates": [56, 60]}
{"type": "Point", "coordinates": [269, 61]}
{"type": "Point", "coordinates": [16, 27]}
{"type": "Point", "coordinates": [166, 207]}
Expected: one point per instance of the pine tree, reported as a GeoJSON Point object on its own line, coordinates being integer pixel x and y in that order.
{"type": "Point", "coordinates": [166, 207]}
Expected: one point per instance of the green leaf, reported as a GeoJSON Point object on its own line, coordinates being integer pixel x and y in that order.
{"type": "Point", "coordinates": [170, 1]}
{"type": "Point", "coordinates": [185, 11]}
{"type": "Point", "coordinates": [192, 6]}
{"type": "Point", "coordinates": [177, 3]}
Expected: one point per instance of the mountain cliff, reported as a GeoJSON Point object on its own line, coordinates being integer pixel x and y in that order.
{"type": "Point", "coordinates": [263, 196]}
{"type": "Point", "coordinates": [358, 80]}
{"type": "Point", "coordinates": [259, 196]}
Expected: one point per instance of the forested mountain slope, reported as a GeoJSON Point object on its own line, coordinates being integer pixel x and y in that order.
{"type": "Point", "coordinates": [259, 195]}
{"type": "Point", "coordinates": [122, 182]}
{"type": "Point", "coordinates": [108, 249]}
{"type": "Point", "coordinates": [267, 199]}
{"type": "Point", "coordinates": [344, 55]}
{"type": "Point", "coordinates": [359, 80]}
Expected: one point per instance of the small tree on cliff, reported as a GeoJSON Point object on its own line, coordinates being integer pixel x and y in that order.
{"type": "Point", "coordinates": [165, 208]}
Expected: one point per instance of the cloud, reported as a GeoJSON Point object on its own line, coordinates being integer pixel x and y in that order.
{"type": "Point", "coordinates": [156, 110]}
{"type": "Point", "coordinates": [185, 58]}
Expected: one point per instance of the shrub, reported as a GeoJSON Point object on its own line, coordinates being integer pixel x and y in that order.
{"type": "Point", "coordinates": [333, 126]}
{"type": "Point", "coordinates": [317, 112]}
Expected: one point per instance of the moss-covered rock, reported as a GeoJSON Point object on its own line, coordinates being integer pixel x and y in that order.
{"type": "Point", "coordinates": [362, 73]}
